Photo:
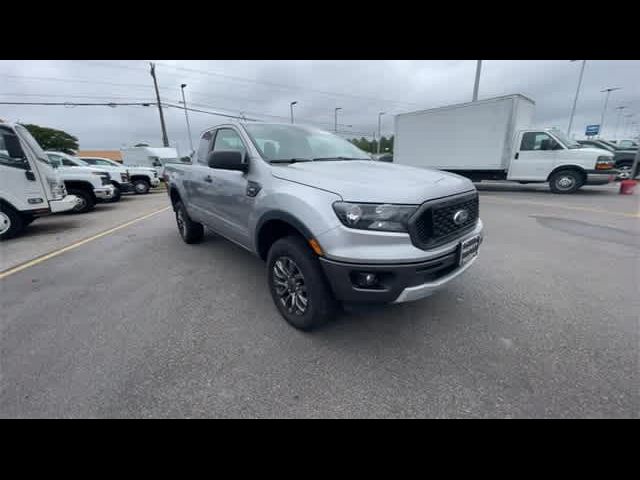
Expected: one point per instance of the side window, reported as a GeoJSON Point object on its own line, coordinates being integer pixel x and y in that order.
{"type": "Point", "coordinates": [11, 153]}
{"type": "Point", "coordinates": [537, 141]}
{"type": "Point", "coordinates": [203, 148]}
{"type": "Point", "coordinates": [67, 163]}
{"type": "Point", "coordinates": [227, 139]}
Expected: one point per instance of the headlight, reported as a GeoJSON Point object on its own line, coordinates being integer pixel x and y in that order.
{"type": "Point", "coordinates": [374, 216]}
{"type": "Point", "coordinates": [604, 163]}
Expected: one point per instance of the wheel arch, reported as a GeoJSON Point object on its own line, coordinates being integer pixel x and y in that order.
{"type": "Point", "coordinates": [572, 167]}
{"type": "Point", "coordinates": [274, 225]}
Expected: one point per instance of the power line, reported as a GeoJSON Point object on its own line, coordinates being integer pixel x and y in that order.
{"type": "Point", "coordinates": [283, 86]}
{"type": "Point", "coordinates": [74, 104]}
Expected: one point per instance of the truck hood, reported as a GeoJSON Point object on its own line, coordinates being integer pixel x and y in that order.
{"type": "Point", "coordinates": [76, 170]}
{"type": "Point", "coordinates": [597, 152]}
{"type": "Point", "coordinates": [369, 181]}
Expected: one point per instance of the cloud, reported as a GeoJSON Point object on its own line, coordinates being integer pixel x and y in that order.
{"type": "Point", "coordinates": [263, 89]}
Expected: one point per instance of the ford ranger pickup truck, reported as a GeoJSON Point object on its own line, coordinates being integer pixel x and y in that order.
{"type": "Point", "coordinates": [332, 224]}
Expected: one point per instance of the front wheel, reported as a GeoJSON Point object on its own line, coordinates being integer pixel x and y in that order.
{"type": "Point", "coordinates": [116, 194]}
{"type": "Point", "coordinates": [141, 186]}
{"type": "Point", "coordinates": [624, 171]}
{"type": "Point", "coordinates": [297, 284]}
{"type": "Point", "coordinates": [566, 181]}
{"type": "Point", "coordinates": [87, 202]}
{"type": "Point", "coordinates": [190, 231]}
{"type": "Point", "coordinates": [11, 223]}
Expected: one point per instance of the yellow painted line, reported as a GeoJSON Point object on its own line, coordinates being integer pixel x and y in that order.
{"type": "Point", "coordinates": [553, 205]}
{"type": "Point", "coordinates": [55, 253]}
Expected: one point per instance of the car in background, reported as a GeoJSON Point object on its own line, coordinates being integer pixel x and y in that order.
{"type": "Point", "coordinates": [142, 178]}
{"type": "Point", "coordinates": [623, 157]}
{"type": "Point", "coordinates": [383, 157]}
{"type": "Point", "coordinates": [626, 143]}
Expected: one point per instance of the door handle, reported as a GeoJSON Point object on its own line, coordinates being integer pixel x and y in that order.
{"type": "Point", "coordinates": [517, 155]}
{"type": "Point", "coordinates": [208, 179]}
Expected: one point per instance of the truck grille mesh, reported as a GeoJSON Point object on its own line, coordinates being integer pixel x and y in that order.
{"type": "Point", "coordinates": [433, 223]}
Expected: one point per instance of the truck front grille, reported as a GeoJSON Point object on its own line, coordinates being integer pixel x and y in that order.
{"type": "Point", "coordinates": [433, 223]}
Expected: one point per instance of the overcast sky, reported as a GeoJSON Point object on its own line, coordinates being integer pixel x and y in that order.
{"type": "Point", "coordinates": [264, 89]}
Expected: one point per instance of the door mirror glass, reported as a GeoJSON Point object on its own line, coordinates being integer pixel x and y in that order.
{"type": "Point", "coordinates": [228, 160]}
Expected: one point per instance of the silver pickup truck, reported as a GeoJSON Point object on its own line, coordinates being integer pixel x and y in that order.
{"type": "Point", "coordinates": [332, 224]}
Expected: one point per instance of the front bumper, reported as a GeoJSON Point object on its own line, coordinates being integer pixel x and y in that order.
{"type": "Point", "coordinates": [69, 202]}
{"type": "Point", "coordinates": [398, 282]}
{"type": "Point", "coordinates": [601, 177]}
{"type": "Point", "coordinates": [125, 187]}
{"type": "Point", "coordinates": [155, 182]}
{"type": "Point", "coordinates": [104, 193]}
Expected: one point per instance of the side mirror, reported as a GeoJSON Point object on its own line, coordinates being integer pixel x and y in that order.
{"type": "Point", "coordinates": [54, 163]}
{"type": "Point", "coordinates": [547, 144]}
{"type": "Point", "coordinates": [228, 160]}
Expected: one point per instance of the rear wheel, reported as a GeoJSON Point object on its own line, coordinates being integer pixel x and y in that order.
{"type": "Point", "coordinates": [297, 284]}
{"type": "Point", "coordinates": [566, 181]}
{"type": "Point", "coordinates": [141, 186]}
{"type": "Point", "coordinates": [11, 223]}
{"type": "Point", "coordinates": [87, 202]}
{"type": "Point", "coordinates": [190, 231]}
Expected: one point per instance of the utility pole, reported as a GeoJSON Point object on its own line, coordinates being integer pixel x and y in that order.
{"type": "Point", "coordinates": [165, 139]}
{"type": "Point", "coordinates": [335, 118]}
{"type": "Point", "coordinates": [476, 86]}
{"type": "Point", "coordinates": [379, 135]}
{"type": "Point", "coordinates": [575, 100]}
{"type": "Point", "coordinates": [184, 102]}
{"type": "Point", "coordinates": [291, 105]}
{"type": "Point", "coordinates": [604, 109]}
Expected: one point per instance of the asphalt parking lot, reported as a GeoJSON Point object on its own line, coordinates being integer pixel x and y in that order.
{"type": "Point", "coordinates": [131, 322]}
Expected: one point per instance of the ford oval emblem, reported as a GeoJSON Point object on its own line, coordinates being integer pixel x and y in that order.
{"type": "Point", "coordinates": [460, 217]}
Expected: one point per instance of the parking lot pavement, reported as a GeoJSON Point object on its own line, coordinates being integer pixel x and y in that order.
{"type": "Point", "coordinates": [138, 324]}
{"type": "Point", "coordinates": [50, 233]}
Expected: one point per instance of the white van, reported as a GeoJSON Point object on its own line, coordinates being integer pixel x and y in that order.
{"type": "Point", "coordinates": [29, 185]}
{"type": "Point", "coordinates": [493, 139]}
{"type": "Point", "coordinates": [150, 157]}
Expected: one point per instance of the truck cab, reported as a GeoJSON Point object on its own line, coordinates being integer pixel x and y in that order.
{"type": "Point", "coordinates": [29, 186]}
{"type": "Point", "coordinates": [547, 155]}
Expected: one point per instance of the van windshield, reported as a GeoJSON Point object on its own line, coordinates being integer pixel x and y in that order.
{"type": "Point", "coordinates": [566, 141]}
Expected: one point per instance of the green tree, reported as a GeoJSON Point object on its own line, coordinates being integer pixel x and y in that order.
{"type": "Point", "coordinates": [52, 139]}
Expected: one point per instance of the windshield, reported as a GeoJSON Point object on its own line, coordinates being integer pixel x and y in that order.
{"type": "Point", "coordinates": [611, 146]}
{"type": "Point", "coordinates": [566, 141]}
{"type": "Point", "coordinates": [35, 146]}
{"type": "Point", "coordinates": [286, 142]}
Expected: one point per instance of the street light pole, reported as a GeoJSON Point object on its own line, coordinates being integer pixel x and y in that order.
{"type": "Point", "coordinates": [476, 86]}
{"type": "Point", "coordinates": [335, 118]}
{"type": "Point", "coordinates": [186, 116]}
{"type": "Point", "coordinates": [291, 106]}
{"type": "Point", "coordinates": [575, 100]}
{"type": "Point", "coordinates": [379, 136]}
{"type": "Point", "coordinates": [604, 109]}
{"type": "Point", "coordinates": [620, 109]}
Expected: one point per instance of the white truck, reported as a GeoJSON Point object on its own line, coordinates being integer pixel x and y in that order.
{"type": "Point", "coordinates": [142, 179]}
{"type": "Point", "coordinates": [493, 140]}
{"type": "Point", "coordinates": [150, 157]}
{"type": "Point", "coordinates": [89, 184]}
{"type": "Point", "coordinates": [29, 186]}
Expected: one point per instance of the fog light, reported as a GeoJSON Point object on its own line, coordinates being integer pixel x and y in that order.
{"type": "Point", "coordinates": [365, 279]}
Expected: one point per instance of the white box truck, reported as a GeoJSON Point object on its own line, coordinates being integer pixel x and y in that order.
{"type": "Point", "coordinates": [493, 139]}
{"type": "Point", "coordinates": [151, 157]}
{"type": "Point", "coordinates": [29, 185]}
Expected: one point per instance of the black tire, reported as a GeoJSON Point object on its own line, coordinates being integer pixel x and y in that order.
{"type": "Point", "coordinates": [320, 305]}
{"type": "Point", "coordinates": [190, 231]}
{"type": "Point", "coordinates": [566, 181]}
{"type": "Point", "coordinates": [27, 219]}
{"type": "Point", "coordinates": [116, 194]}
{"type": "Point", "coordinates": [11, 223]}
{"type": "Point", "coordinates": [87, 198]}
{"type": "Point", "coordinates": [141, 187]}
